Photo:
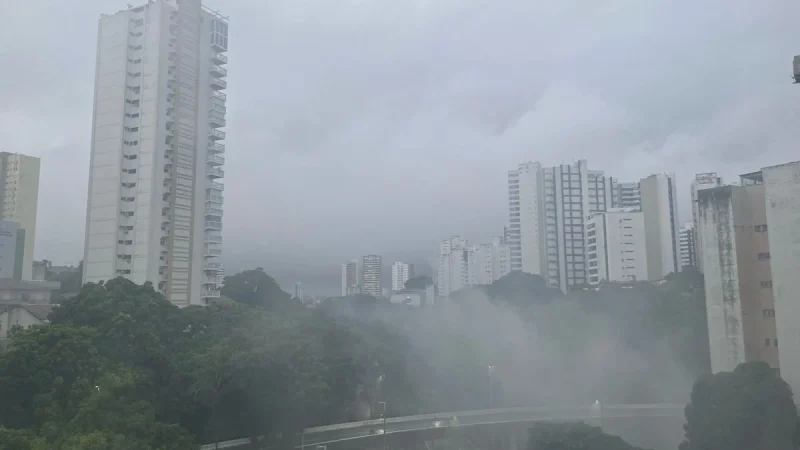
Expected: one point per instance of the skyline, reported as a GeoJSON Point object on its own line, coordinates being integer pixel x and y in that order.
{"type": "Point", "coordinates": [443, 121]}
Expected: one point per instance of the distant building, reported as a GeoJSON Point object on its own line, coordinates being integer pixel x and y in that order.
{"type": "Point", "coordinates": [660, 208]}
{"type": "Point", "coordinates": [741, 310]}
{"type": "Point", "coordinates": [782, 191]}
{"type": "Point", "coordinates": [19, 199]}
{"type": "Point", "coordinates": [12, 251]}
{"type": "Point", "coordinates": [453, 271]}
{"type": "Point", "coordinates": [462, 264]}
{"type": "Point", "coordinates": [413, 297]}
{"type": "Point", "coordinates": [686, 245]}
{"type": "Point", "coordinates": [616, 249]}
{"type": "Point", "coordinates": [21, 315]}
{"type": "Point", "coordinates": [350, 278]}
{"type": "Point", "coordinates": [28, 292]}
{"type": "Point", "coordinates": [372, 276]}
{"type": "Point", "coordinates": [701, 181]}
{"type": "Point", "coordinates": [298, 291]}
{"type": "Point", "coordinates": [401, 272]}
{"type": "Point", "coordinates": [628, 195]}
{"type": "Point", "coordinates": [489, 262]}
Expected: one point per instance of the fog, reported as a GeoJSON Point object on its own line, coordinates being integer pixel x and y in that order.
{"type": "Point", "coordinates": [381, 127]}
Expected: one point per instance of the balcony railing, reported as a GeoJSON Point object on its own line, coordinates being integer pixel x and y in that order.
{"type": "Point", "coordinates": [214, 198]}
{"type": "Point", "coordinates": [218, 83]}
{"type": "Point", "coordinates": [216, 119]}
{"type": "Point", "coordinates": [219, 71]}
{"type": "Point", "coordinates": [215, 172]}
{"type": "Point", "coordinates": [219, 58]}
{"type": "Point", "coordinates": [219, 95]}
{"type": "Point", "coordinates": [215, 134]}
{"type": "Point", "coordinates": [216, 160]}
{"type": "Point", "coordinates": [209, 265]}
{"type": "Point", "coordinates": [211, 225]}
{"type": "Point", "coordinates": [211, 293]}
{"type": "Point", "coordinates": [213, 238]}
{"type": "Point", "coordinates": [213, 211]}
{"type": "Point", "coordinates": [217, 186]}
{"type": "Point", "coordinates": [213, 251]}
{"type": "Point", "coordinates": [216, 148]}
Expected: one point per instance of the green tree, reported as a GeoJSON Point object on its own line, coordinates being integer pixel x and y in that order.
{"type": "Point", "coordinates": [522, 289]}
{"type": "Point", "coordinates": [419, 283]}
{"type": "Point", "coordinates": [751, 408]}
{"type": "Point", "coordinates": [573, 436]}
{"type": "Point", "coordinates": [255, 288]}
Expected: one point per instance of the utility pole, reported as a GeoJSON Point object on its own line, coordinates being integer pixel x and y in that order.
{"type": "Point", "coordinates": [383, 414]}
{"type": "Point", "coordinates": [491, 405]}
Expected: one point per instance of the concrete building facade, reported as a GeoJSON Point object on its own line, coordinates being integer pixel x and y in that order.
{"type": "Point", "coordinates": [19, 201]}
{"type": "Point", "coordinates": [686, 245]}
{"type": "Point", "coordinates": [782, 230]}
{"type": "Point", "coordinates": [453, 273]}
{"type": "Point", "coordinates": [616, 250]}
{"type": "Point", "coordinates": [350, 278]}
{"type": "Point", "coordinates": [154, 209]}
{"type": "Point", "coordinates": [628, 195]}
{"type": "Point", "coordinates": [701, 181]}
{"type": "Point", "coordinates": [372, 275]}
{"type": "Point", "coordinates": [12, 250]}
{"type": "Point", "coordinates": [525, 200]}
{"type": "Point", "coordinates": [401, 272]}
{"type": "Point", "coordinates": [738, 275]}
{"type": "Point", "coordinates": [660, 208]}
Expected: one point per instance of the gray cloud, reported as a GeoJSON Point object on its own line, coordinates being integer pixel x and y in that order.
{"type": "Point", "coordinates": [384, 126]}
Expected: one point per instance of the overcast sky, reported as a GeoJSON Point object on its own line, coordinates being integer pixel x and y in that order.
{"type": "Point", "coordinates": [384, 126]}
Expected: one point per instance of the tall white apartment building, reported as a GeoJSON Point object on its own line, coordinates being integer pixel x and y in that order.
{"type": "Point", "coordinates": [701, 182]}
{"type": "Point", "coordinates": [401, 272]}
{"type": "Point", "coordinates": [19, 194]}
{"type": "Point", "coordinates": [489, 262]}
{"type": "Point", "coordinates": [660, 208]}
{"type": "Point", "coordinates": [453, 273]}
{"type": "Point", "coordinates": [616, 250]}
{"type": "Point", "coordinates": [372, 275]}
{"type": "Point", "coordinates": [154, 208]}
{"type": "Point", "coordinates": [686, 245]}
{"type": "Point", "coordinates": [350, 278]}
{"type": "Point", "coordinates": [525, 197]}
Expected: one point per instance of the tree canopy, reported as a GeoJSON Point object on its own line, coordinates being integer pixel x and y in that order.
{"type": "Point", "coordinates": [574, 436]}
{"type": "Point", "coordinates": [751, 408]}
{"type": "Point", "coordinates": [419, 283]}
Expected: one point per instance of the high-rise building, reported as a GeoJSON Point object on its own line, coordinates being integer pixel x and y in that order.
{"type": "Point", "coordinates": [350, 278]}
{"type": "Point", "coordinates": [701, 181]}
{"type": "Point", "coordinates": [19, 194]}
{"type": "Point", "coordinates": [741, 313]}
{"type": "Point", "coordinates": [12, 250]}
{"type": "Point", "coordinates": [616, 250]}
{"type": "Point", "coordinates": [154, 208]}
{"type": "Point", "coordinates": [660, 208]}
{"type": "Point", "coordinates": [401, 272]}
{"type": "Point", "coordinates": [525, 190]}
{"type": "Point", "coordinates": [372, 276]}
{"type": "Point", "coordinates": [782, 229]}
{"type": "Point", "coordinates": [298, 291]}
{"type": "Point", "coordinates": [489, 262]}
{"type": "Point", "coordinates": [686, 245]}
{"type": "Point", "coordinates": [453, 271]}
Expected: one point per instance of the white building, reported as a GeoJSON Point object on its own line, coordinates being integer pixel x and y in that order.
{"type": "Point", "coordinates": [298, 291]}
{"type": "Point", "coordinates": [350, 278]}
{"type": "Point", "coordinates": [782, 199]}
{"type": "Point", "coordinates": [19, 197]}
{"type": "Point", "coordinates": [701, 181]}
{"type": "Point", "coordinates": [616, 250]}
{"type": "Point", "coordinates": [23, 316]}
{"type": "Point", "coordinates": [489, 262]}
{"type": "Point", "coordinates": [660, 208]}
{"type": "Point", "coordinates": [525, 190]}
{"type": "Point", "coordinates": [154, 208]}
{"type": "Point", "coordinates": [462, 264]}
{"type": "Point", "coordinates": [628, 195]}
{"type": "Point", "coordinates": [453, 271]}
{"type": "Point", "coordinates": [371, 276]}
{"type": "Point", "coordinates": [401, 272]}
{"type": "Point", "coordinates": [12, 248]}
{"type": "Point", "coordinates": [686, 245]}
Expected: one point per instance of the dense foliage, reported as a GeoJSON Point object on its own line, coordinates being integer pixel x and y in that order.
{"type": "Point", "coordinates": [573, 436]}
{"type": "Point", "coordinates": [120, 367]}
{"type": "Point", "coordinates": [751, 408]}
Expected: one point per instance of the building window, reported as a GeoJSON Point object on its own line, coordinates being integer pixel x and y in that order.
{"type": "Point", "coordinates": [761, 228]}
{"type": "Point", "coordinates": [769, 313]}
{"type": "Point", "coordinates": [766, 284]}
{"type": "Point", "coordinates": [763, 256]}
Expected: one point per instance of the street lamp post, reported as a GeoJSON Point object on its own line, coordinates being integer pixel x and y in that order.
{"type": "Point", "coordinates": [491, 403]}
{"type": "Point", "coordinates": [383, 414]}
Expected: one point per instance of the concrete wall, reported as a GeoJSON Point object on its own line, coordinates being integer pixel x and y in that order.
{"type": "Point", "coordinates": [782, 193]}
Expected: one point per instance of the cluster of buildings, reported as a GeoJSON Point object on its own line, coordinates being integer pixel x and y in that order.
{"type": "Point", "coordinates": [575, 226]}
{"type": "Point", "coordinates": [364, 276]}
{"type": "Point", "coordinates": [462, 264]}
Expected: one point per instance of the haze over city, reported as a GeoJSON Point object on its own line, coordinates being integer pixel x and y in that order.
{"type": "Point", "coordinates": [382, 127]}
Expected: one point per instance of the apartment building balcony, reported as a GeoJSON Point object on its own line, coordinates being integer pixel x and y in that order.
{"type": "Point", "coordinates": [213, 198]}
{"type": "Point", "coordinates": [215, 172]}
{"type": "Point", "coordinates": [212, 251]}
{"type": "Point", "coordinates": [211, 293]}
{"type": "Point", "coordinates": [215, 134]}
{"type": "Point", "coordinates": [217, 186]}
{"type": "Point", "coordinates": [213, 212]}
{"type": "Point", "coordinates": [212, 266]}
{"type": "Point", "coordinates": [219, 58]}
{"type": "Point", "coordinates": [216, 119]}
{"type": "Point", "coordinates": [211, 280]}
{"type": "Point", "coordinates": [218, 71]}
{"type": "Point", "coordinates": [219, 96]}
{"type": "Point", "coordinates": [213, 225]}
{"type": "Point", "coordinates": [213, 238]}
{"type": "Point", "coordinates": [216, 147]}
{"type": "Point", "coordinates": [218, 83]}
{"type": "Point", "coordinates": [215, 160]}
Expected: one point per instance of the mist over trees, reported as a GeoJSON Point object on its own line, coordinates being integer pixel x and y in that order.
{"type": "Point", "coordinates": [120, 367]}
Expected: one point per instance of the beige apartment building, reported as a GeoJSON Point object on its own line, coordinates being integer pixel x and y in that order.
{"type": "Point", "coordinates": [19, 200]}
{"type": "Point", "coordinates": [738, 274]}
